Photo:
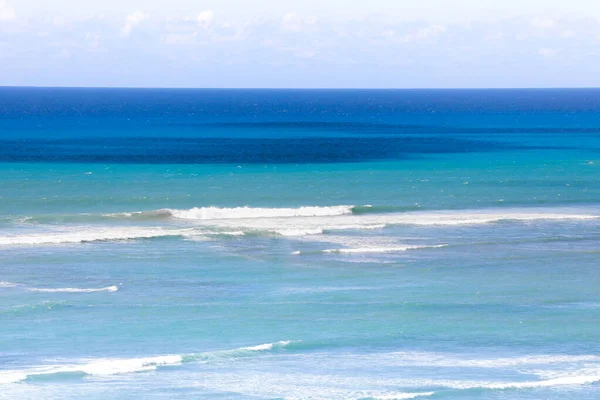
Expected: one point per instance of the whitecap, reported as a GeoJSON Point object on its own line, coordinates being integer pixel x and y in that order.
{"type": "Point", "coordinates": [73, 290]}
{"type": "Point", "coordinates": [209, 213]}
{"type": "Point", "coordinates": [401, 396]}
{"type": "Point", "coordinates": [117, 366]}
{"type": "Point", "coordinates": [88, 234]}
{"type": "Point", "coordinates": [381, 249]}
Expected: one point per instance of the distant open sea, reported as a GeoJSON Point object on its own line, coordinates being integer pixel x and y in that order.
{"type": "Point", "coordinates": [299, 244]}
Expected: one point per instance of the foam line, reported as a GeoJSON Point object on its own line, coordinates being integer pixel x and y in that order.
{"type": "Point", "coordinates": [367, 250]}
{"type": "Point", "coordinates": [73, 290]}
{"type": "Point", "coordinates": [210, 213]}
{"type": "Point", "coordinates": [87, 234]}
{"type": "Point", "coordinates": [107, 367]}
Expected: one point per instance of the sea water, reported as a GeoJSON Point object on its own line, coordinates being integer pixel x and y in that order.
{"type": "Point", "coordinates": [299, 244]}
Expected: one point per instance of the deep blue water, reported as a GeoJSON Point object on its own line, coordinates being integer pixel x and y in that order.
{"type": "Point", "coordinates": [322, 244]}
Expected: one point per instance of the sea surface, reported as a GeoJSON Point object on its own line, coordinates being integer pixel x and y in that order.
{"type": "Point", "coordinates": [299, 244]}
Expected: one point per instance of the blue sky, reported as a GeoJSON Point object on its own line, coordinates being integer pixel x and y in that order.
{"type": "Point", "coordinates": [304, 44]}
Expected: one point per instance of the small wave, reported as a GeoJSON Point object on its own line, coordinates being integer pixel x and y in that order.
{"type": "Point", "coordinates": [299, 232]}
{"type": "Point", "coordinates": [112, 288]}
{"type": "Point", "coordinates": [239, 352]}
{"type": "Point", "coordinates": [298, 225]}
{"type": "Point", "coordinates": [562, 381]}
{"type": "Point", "coordinates": [107, 367]}
{"type": "Point", "coordinates": [103, 367]}
{"type": "Point", "coordinates": [226, 233]}
{"type": "Point", "coordinates": [73, 290]}
{"type": "Point", "coordinates": [382, 249]}
{"type": "Point", "coordinates": [353, 227]}
{"type": "Point", "coordinates": [143, 215]}
{"type": "Point", "coordinates": [370, 209]}
{"type": "Point", "coordinates": [475, 219]}
{"type": "Point", "coordinates": [366, 250]}
{"type": "Point", "coordinates": [87, 234]}
{"type": "Point", "coordinates": [445, 360]}
{"type": "Point", "coordinates": [399, 396]}
{"type": "Point", "coordinates": [565, 380]}
{"type": "Point", "coordinates": [210, 213]}
{"type": "Point", "coordinates": [325, 229]}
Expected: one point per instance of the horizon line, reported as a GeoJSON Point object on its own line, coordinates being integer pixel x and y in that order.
{"type": "Point", "coordinates": [296, 88]}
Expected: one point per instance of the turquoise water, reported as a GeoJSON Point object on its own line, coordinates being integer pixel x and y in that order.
{"type": "Point", "coordinates": [159, 244]}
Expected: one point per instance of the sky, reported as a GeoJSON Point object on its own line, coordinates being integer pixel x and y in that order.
{"type": "Point", "coordinates": [300, 44]}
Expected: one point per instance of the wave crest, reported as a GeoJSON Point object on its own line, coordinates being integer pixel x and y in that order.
{"type": "Point", "coordinates": [74, 290]}
{"type": "Point", "coordinates": [208, 213]}
{"type": "Point", "coordinates": [85, 234]}
{"type": "Point", "coordinates": [107, 367]}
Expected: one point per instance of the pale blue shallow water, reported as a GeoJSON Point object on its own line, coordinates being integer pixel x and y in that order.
{"type": "Point", "coordinates": [162, 244]}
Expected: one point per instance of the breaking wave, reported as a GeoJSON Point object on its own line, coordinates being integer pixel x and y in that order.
{"type": "Point", "coordinates": [112, 288]}
{"type": "Point", "coordinates": [88, 234]}
{"type": "Point", "coordinates": [107, 367]}
{"type": "Point", "coordinates": [366, 250]}
{"type": "Point", "coordinates": [74, 290]}
{"type": "Point", "coordinates": [210, 213]}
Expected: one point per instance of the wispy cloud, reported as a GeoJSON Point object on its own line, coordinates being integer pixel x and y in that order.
{"type": "Point", "coordinates": [7, 13]}
{"type": "Point", "coordinates": [205, 18]}
{"type": "Point", "coordinates": [132, 21]}
{"type": "Point", "coordinates": [189, 45]}
{"type": "Point", "coordinates": [297, 23]}
{"type": "Point", "coordinates": [424, 33]}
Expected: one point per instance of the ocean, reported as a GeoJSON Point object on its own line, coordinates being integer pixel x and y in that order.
{"type": "Point", "coordinates": [299, 244]}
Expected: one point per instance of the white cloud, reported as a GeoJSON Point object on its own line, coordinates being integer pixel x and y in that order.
{"type": "Point", "coordinates": [132, 21]}
{"type": "Point", "coordinates": [295, 23]}
{"type": "Point", "coordinates": [542, 23]}
{"type": "Point", "coordinates": [547, 52]}
{"type": "Point", "coordinates": [7, 13]}
{"type": "Point", "coordinates": [205, 18]}
{"type": "Point", "coordinates": [423, 34]}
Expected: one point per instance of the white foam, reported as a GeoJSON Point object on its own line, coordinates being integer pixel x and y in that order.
{"type": "Point", "coordinates": [267, 346]}
{"type": "Point", "coordinates": [381, 249]}
{"type": "Point", "coordinates": [100, 367]}
{"type": "Point", "coordinates": [401, 396]}
{"type": "Point", "coordinates": [242, 351]}
{"type": "Point", "coordinates": [226, 233]}
{"type": "Point", "coordinates": [473, 218]}
{"type": "Point", "coordinates": [73, 290]}
{"type": "Point", "coordinates": [12, 377]}
{"type": "Point", "coordinates": [562, 381]}
{"type": "Point", "coordinates": [291, 222]}
{"type": "Point", "coordinates": [122, 366]}
{"type": "Point", "coordinates": [443, 360]}
{"type": "Point", "coordinates": [298, 225]}
{"type": "Point", "coordinates": [112, 288]}
{"type": "Point", "coordinates": [209, 213]}
{"type": "Point", "coordinates": [116, 366]}
{"type": "Point", "coordinates": [89, 234]}
{"type": "Point", "coordinates": [296, 385]}
{"type": "Point", "coordinates": [565, 380]}
{"type": "Point", "coordinates": [326, 383]}
{"type": "Point", "coordinates": [299, 232]}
